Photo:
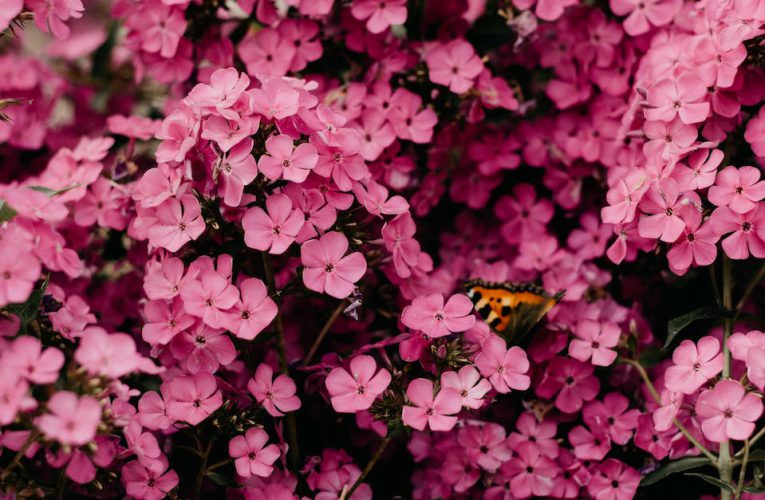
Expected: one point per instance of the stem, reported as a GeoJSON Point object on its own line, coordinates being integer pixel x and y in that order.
{"type": "Point", "coordinates": [218, 465]}
{"type": "Point", "coordinates": [19, 454]}
{"type": "Point", "coordinates": [754, 440]}
{"type": "Point", "coordinates": [281, 348]}
{"type": "Point", "coordinates": [202, 472]}
{"type": "Point", "coordinates": [323, 333]}
{"type": "Point", "coordinates": [695, 442]}
{"type": "Point", "coordinates": [742, 472]}
{"type": "Point", "coordinates": [372, 461]}
{"type": "Point", "coordinates": [724, 464]}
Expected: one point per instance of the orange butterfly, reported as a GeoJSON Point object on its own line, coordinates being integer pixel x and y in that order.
{"type": "Point", "coordinates": [511, 309]}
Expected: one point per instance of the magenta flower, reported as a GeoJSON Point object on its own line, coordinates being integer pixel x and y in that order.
{"type": "Point", "coordinates": [274, 230]}
{"type": "Point", "coordinates": [531, 473]}
{"type": "Point", "coordinates": [225, 87]}
{"type": "Point", "coordinates": [203, 349]}
{"type": "Point", "coordinates": [661, 218]}
{"type": "Point", "coordinates": [164, 320]}
{"type": "Point", "coordinates": [192, 399]}
{"type": "Point", "coordinates": [254, 311]}
{"type": "Point", "coordinates": [266, 53]}
{"type": "Point", "coordinates": [539, 434]}
{"type": "Point", "coordinates": [454, 65]}
{"type": "Point", "coordinates": [146, 484]}
{"type": "Point", "coordinates": [356, 389]}
{"type": "Point", "coordinates": [276, 395]}
{"type": "Point", "coordinates": [693, 365]}
{"type": "Point", "coordinates": [326, 267]}
{"type": "Point", "coordinates": [251, 456]}
{"type": "Point", "coordinates": [28, 358]}
{"type": "Point", "coordinates": [738, 189]}
{"type": "Point", "coordinates": [437, 412]}
{"type": "Point", "coordinates": [237, 169]}
{"type": "Point", "coordinates": [436, 319]}
{"type": "Point", "coordinates": [613, 416]}
{"type": "Point", "coordinates": [505, 368]}
{"type": "Point", "coordinates": [684, 97]}
{"type": "Point", "coordinates": [211, 298]}
{"type": "Point", "coordinates": [728, 412]}
{"type": "Point", "coordinates": [697, 245]}
{"type": "Point", "coordinates": [379, 15]}
{"type": "Point", "coordinates": [746, 232]}
{"type": "Point", "coordinates": [152, 412]}
{"type": "Point", "coordinates": [50, 15]}
{"type": "Point", "coordinates": [112, 355]}
{"type": "Point", "coordinates": [614, 481]}
{"type": "Point", "coordinates": [595, 340]}
{"type": "Point", "coordinates": [485, 445]}
{"type": "Point", "coordinates": [284, 160]}
{"type": "Point", "coordinates": [572, 381]}
{"type": "Point", "coordinates": [179, 220]}
{"type": "Point", "coordinates": [70, 419]}
{"type": "Point", "coordinates": [469, 384]}
{"type": "Point", "coordinates": [18, 272]}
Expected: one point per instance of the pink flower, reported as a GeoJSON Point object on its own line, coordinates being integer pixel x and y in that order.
{"type": "Point", "coordinates": [572, 380]}
{"type": "Point", "coordinates": [50, 15]}
{"type": "Point", "coordinates": [211, 297]}
{"type": "Point", "coordinates": [70, 419]}
{"type": "Point", "coordinates": [505, 368]}
{"type": "Point", "coordinates": [693, 365]}
{"type": "Point", "coordinates": [595, 340]}
{"type": "Point", "coordinates": [540, 434]}
{"type": "Point", "coordinates": [738, 189]}
{"type": "Point", "coordinates": [28, 358]}
{"type": "Point", "coordinates": [112, 355]}
{"type": "Point", "coordinates": [266, 53]}
{"type": "Point", "coordinates": [203, 349]}
{"type": "Point", "coordinates": [251, 456]}
{"type": "Point", "coordinates": [454, 65]}
{"type": "Point", "coordinates": [589, 444]}
{"type": "Point", "coordinates": [727, 411]}
{"type": "Point", "coordinates": [701, 169]}
{"type": "Point", "coordinates": [179, 220]}
{"type": "Point", "coordinates": [225, 87]}
{"type": "Point", "coordinates": [613, 416]}
{"type": "Point", "coordinates": [661, 206]}
{"type": "Point", "coordinates": [193, 399]}
{"type": "Point", "coordinates": [254, 311]}
{"type": "Point", "coordinates": [8, 11]}
{"type": "Point", "coordinates": [274, 230]}
{"type": "Point", "coordinates": [152, 412]}
{"type": "Point", "coordinates": [276, 395]}
{"type": "Point", "coordinates": [356, 389]}
{"type": "Point", "coordinates": [276, 99]}
{"type": "Point", "coordinates": [683, 97]}
{"type": "Point", "coordinates": [531, 473]}
{"type": "Point", "coordinates": [745, 229]}
{"type": "Point", "coordinates": [642, 15]}
{"type": "Point", "coordinates": [614, 481]}
{"type": "Point", "coordinates": [146, 484]}
{"type": "Point", "coordinates": [469, 384]}
{"type": "Point", "coordinates": [436, 412]}
{"type": "Point", "coordinates": [236, 169]}
{"type": "Point", "coordinates": [697, 245]}
{"type": "Point", "coordinates": [379, 15]}
{"type": "Point", "coordinates": [429, 314]}
{"type": "Point", "coordinates": [750, 348]}
{"type": "Point", "coordinates": [164, 320]}
{"type": "Point", "coordinates": [19, 270]}
{"type": "Point", "coordinates": [282, 161]}
{"type": "Point", "coordinates": [326, 267]}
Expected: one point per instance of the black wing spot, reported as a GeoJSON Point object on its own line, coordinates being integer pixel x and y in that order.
{"type": "Point", "coordinates": [506, 310]}
{"type": "Point", "coordinates": [476, 297]}
{"type": "Point", "coordinates": [485, 311]}
{"type": "Point", "coordinates": [495, 322]}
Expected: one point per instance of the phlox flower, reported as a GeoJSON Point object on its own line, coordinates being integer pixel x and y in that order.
{"type": "Point", "coordinates": [276, 395]}
{"type": "Point", "coordinates": [51, 15]}
{"type": "Point", "coordinates": [178, 221]}
{"type": "Point", "coordinates": [13, 393]}
{"type": "Point", "coordinates": [203, 349]}
{"type": "Point", "coordinates": [647, 437]}
{"type": "Point", "coordinates": [235, 170]}
{"type": "Point", "coordinates": [356, 389]}
{"type": "Point", "coordinates": [254, 311]}
{"type": "Point", "coordinates": [697, 245]}
{"type": "Point", "coordinates": [266, 53]}
{"type": "Point", "coordinates": [727, 411]}
{"type": "Point", "coordinates": [225, 87]}
{"type": "Point", "coordinates": [661, 207]}
{"type": "Point", "coordinates": [152, 412]}
{"type": "Point", "coordinates": [468, 382]}
{"type": "Point", "coordinates": [694, 365]}
{"type": "Point", "coordinates": [641, 16]}
{"type": "Point", "coordinates": [273, 230]}
{"type": "Point", "coordinates": [326, 267]}
{"type": "Point", "coordinates": [505, 368]}
{"type": "Point", "coordinates": [251, 456]}
{"type": "Point", "coordinates": [613, 416]}
{"type": "Point", "coordinates": [19, 270]}
{"type": "Point", "coordinates": [434, 318]}
{"type": "Point", "coordinates": [746, 232]}
{"type": "Point", "coordinates": [379, 15]}
{"type": "Point", "coordinates": [531, 473]}
{"type": "Point", "coordinates": [683, 97]}
{"type": "Point", "coordinates": [146, 484]}
{"type": "Point", "coordinates": [31, 361]}
{"type": "Point", "coordinates": [528, 429]}
{"type": "Point", "coordinates": [437, 412]}
{"type": "Point", "coordinates": [164, 320]}
{"type": "Point", "coordinates": [613, 480]}
{"type": "Point", "coordinates": [112, 355]}
{"type": "Point", "coordinates": [589, 443]}
{"type": "Point", "coordinates": [572, 381]}
{"type": "Point", "coordinates": [454, 65]}
{"type": "Point", "coordinates": [192, 399]}
{"type": "Point", "coordinates": [70, 419]}
{"type": "Point", "coordinates": [595, 340]}
{"type": "Point", "coordinates": [701, 170]}
{"type": "Point", "coordinates": [485, 445]}
{"type": "Point", "coordinates": [211, 298]}
{"type": "Point", "coordinates": [286, 161]}
{"type": "Point", "coordinates": [750, 348]}
{"type": "Point", "coordinates": [738, 189]}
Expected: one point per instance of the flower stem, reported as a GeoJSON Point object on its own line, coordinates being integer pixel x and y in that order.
{"type": "Point", "coordinates": [372, 461]}
{"type": "Point", "coordinates": [742, 472]}
{"type": "Point", "coordinates": [323, 333]}
{"type": "Point", "coordinates": [695, 442]}
{"type": "Point", "coordinates": [202, 471]}
{"type": "Point", "coordinates": [281, 349]}
{"type": "Point", "coordinates": [725, 464]}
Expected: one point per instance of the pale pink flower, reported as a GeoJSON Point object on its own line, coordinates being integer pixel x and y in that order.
{"type": "Point", "coordinates": [254, 311]}
{"type": "Point", "coordinates": [326, 267]}
{"type": "Point", "coordinates": [211, 297]}
{"type": "Point", "coordinates": [436, 319]}
{"type": "Point", "coordinates": [505, 368]}
{"type": "Point", "coordinates": [437, 412]}
{"type": "Point", "coordinates": [728, 412]}
{"type": "Point", "coordinates": [379, 15]}
{"type": "Point", "coordinates": [276, 395]}
{"type": "Point", "coordinates": [738, 189]}
{"type": "Point", "coordinates": [595, 340]}
{"type": "Point", "coordinates": [28, 358]}
{"type": "Point", "coordinates": [70, 419]}
{"type": "Point", "coordinates": [193, 399]}
{"type": "Point", "coordinates": [251, 456]}
{"type": "Point", "coordinates": [179, 220]}
{"type": "Point", "coordinates": [284, 160]}
{"type": "Point", "coordinates": [469, 384]}
{"type": "Point", "coordinates": [454, 65]}
{"type": "Point", "coordinates": [693, 365]}
{"type": "Point", "coordinates": [112, 355]}
{"type": "Point", "coordinates": [356, 389]}
{"type": "Point", "coordinates": [274, 230]}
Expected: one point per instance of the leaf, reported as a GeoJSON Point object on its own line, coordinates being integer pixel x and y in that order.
{"type": "Point", "coordinates": [221, 479]}
{"type": "Point", "coordinates": [650, 357]}
{"type": "Point", "coordinates": [52, 192]}
{"type": "Point", "coordinates": [713, 480]}
{"type": "Point", "coordinates": [29, 309]}
{"type": "Point", "coordinates": [6, 212]}
{"type": "Point", "coordinates": [674, 467]}
{"type": "Point", "coordinates": [675, 325]}
{"type": "Point", "coordinates": [758, 454]}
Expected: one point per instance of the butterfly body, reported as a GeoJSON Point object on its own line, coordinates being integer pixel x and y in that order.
{"type": "Point", "coordinates": [510, 309]}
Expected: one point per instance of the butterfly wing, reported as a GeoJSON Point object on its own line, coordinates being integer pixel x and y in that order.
{"type": "Point", "coordinates": [510, 309]}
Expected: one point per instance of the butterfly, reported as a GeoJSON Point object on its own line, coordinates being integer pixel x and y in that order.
{"type": "Point", "coordinates": [510, 309]}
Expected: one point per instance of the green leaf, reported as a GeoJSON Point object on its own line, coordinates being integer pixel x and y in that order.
{"type": "Point", "coordinates": [31, 308]}
{"type": "Point", "coordinates": [677, 324]}
{"type": "Point", "coordinates": [52, 192]}
{"type": "Point", "coordinates": [221, 479]}
{"type": "Point", "coordinates": [674, 467]}
{"type": "Point", "coordinates": [6, 212]}
{"type": "Point", "coordinates": [713, 480]}
{"type": "Point", "coordinates": [650, 357]}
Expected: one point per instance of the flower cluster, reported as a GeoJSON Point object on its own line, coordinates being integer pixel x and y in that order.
{"type": "Point", "coordinates": [225, 225]}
